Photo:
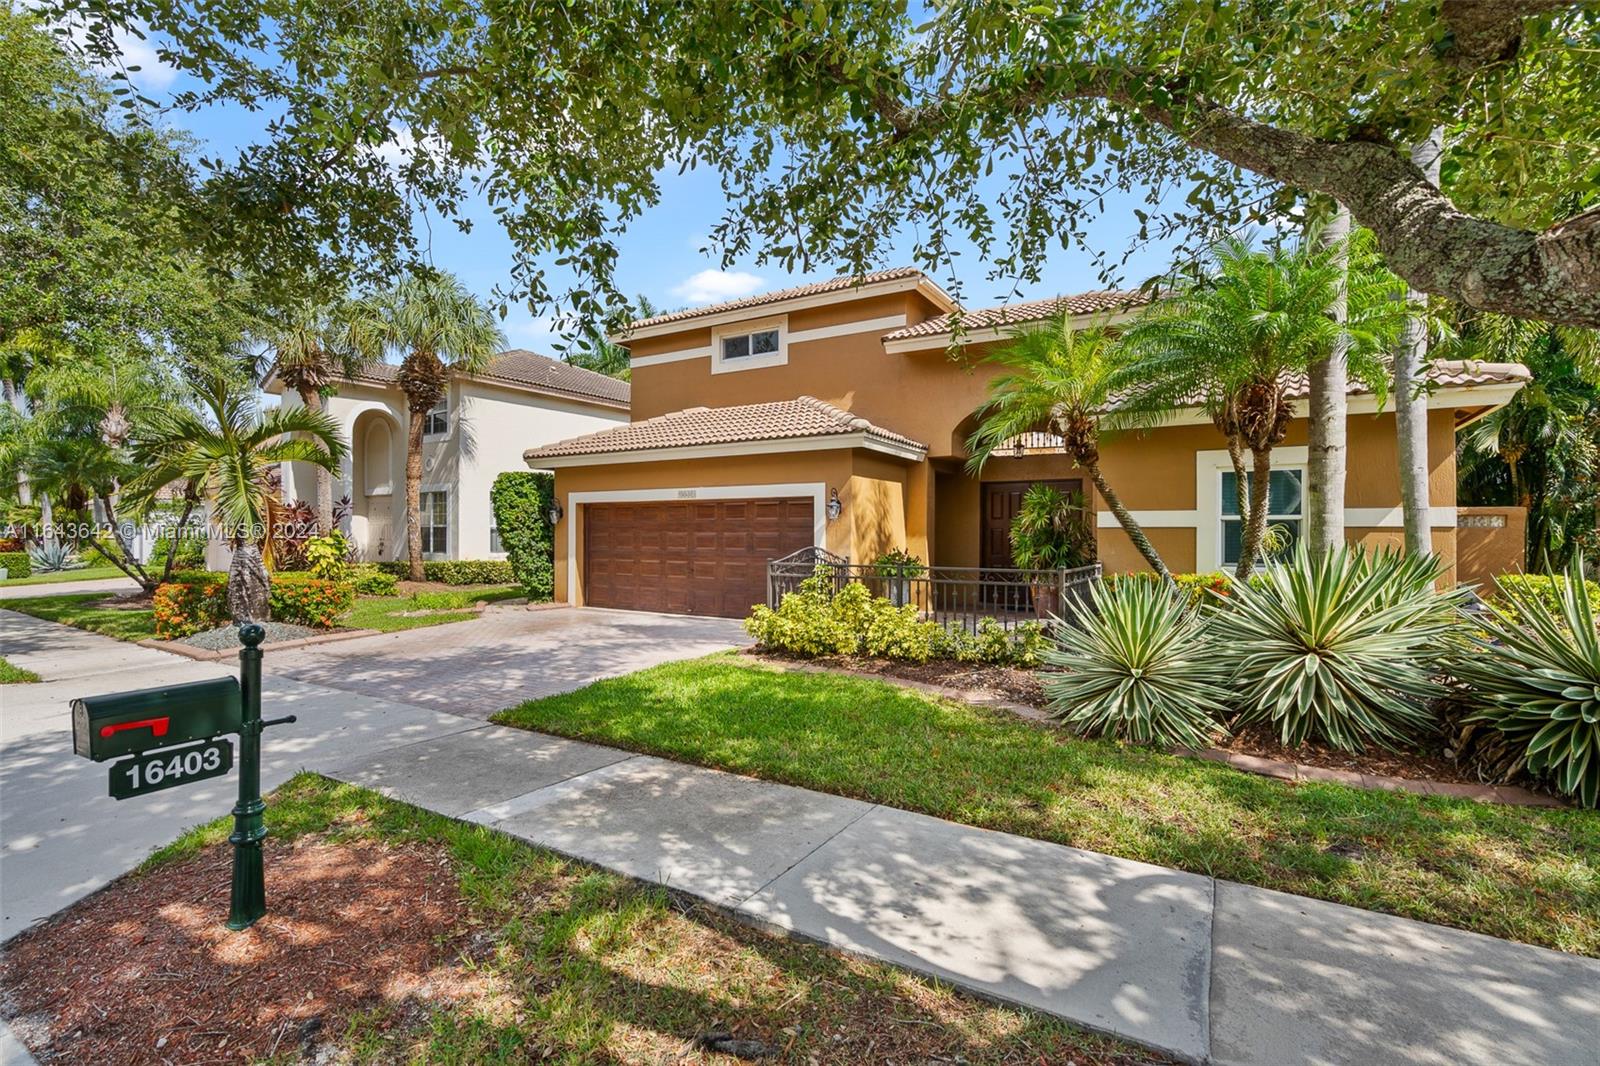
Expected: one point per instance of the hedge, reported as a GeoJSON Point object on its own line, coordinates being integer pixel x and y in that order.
{"type": "Point", "coordinates": [301, 599]}
{"type": "Point", "coordinates": [371, 581]}
{"type": "Point", "coordinates": [521, 499]}
{"type": "Point", "coordinates": [456, 571]}
{"type": "Point", "coordinates": [190, 602]}
{"type": "Point", "coordinates": [1546, 588]}
{"type": "Point", "coordinates": [17, 564]}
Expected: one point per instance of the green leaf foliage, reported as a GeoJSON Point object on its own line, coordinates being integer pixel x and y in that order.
{"type": "Point", "coordinates": [1137, 664]}
{"type": "Point", "coordinates": [1341, 648]}
{"type": "Point", "coordinates": [1535, 673]}
{"type": "Point", "coordinates": [521, 500]}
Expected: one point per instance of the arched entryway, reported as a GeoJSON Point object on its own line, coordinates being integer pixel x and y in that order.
{"type": "Point", "coordinates": [377, 481]}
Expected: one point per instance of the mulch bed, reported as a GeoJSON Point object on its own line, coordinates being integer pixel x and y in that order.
{"type": "Point", "coordinates": [145, 971]}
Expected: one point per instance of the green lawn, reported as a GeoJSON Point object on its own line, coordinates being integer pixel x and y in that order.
{"type": "Point", "coordinates": [386, 613]}
{"type": "Point", "coordinates": [1522, 873]}
{"type": "Point", "coordinates": [15, 675]}
{"type": "Point", "coordinates": [575, 964]}
{"type": "Point", "coordinates": [124, 623]}
{"type": "Point", "coordinates": [88, 573]}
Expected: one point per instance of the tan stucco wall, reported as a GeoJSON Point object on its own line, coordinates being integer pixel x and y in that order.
{"type": "Point", "coordinates": [873, 491]}
{"type": "Point", "coordinates": [1486, 550]}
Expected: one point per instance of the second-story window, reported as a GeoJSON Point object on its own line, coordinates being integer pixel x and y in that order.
{"type": "Point", "coordinates": [437, 421]}
{"type": "Point", "coordinates": [749, 345]}
{"type": "Point", "coordinates": [761, 342]}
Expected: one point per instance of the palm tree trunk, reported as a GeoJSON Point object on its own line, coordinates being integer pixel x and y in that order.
{"type": "Point", "coordinates": [1410, 399]}
{"type": "Point", "coordinates": [1241, 480]}
{"type": "Point", "coordinates": [1328, 407]}
{"type": "Point", "coordinates": [1255, 525]}
{"type": "Point", "coordinates": [414, 492]}
{"type": "Point", "coordinates": [311, 399]}
{"type": "Point", "coordinates": [1125, 518]}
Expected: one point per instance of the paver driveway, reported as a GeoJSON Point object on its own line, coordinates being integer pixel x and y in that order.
{"type": "Point", "coordinates": [507, 656]}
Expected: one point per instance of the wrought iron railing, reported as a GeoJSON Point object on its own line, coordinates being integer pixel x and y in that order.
{"type": "Point", "coordinates": [951, 595]}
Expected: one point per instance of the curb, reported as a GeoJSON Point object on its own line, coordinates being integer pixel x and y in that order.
{"type": "Point", "coordinates": [205, 655]}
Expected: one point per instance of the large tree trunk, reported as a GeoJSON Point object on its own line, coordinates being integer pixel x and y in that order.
{"type": "Point", "coordinates": [414, 492]}
{"type": "Point", "coordinates": [1125, 518]}
{"type": "Point", "coordinates": [312, 399]}
{"type": "Point", "coordinates": [1255, 524]}
{"type": "Point", "coordinates": [1410, 395]}
{"type": "Point", "coordinates": [1327, 451]}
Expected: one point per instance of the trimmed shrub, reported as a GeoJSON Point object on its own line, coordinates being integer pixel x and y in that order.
{"type": "Point", "coordinates": [1200, 590]}
{"type": "Point", "coordinates": [1548, 589]}
{"type": "Point", "coordinates": [17, 564]}
{"type": "Point", "coordinates": [302, 599]}
{"type": "Point", "coordinates": [814, 620]}
{"type": "Point", "coordinates": [190, 602]}
{"type": "Point", "coordinates": [1138, 665]}
{"type": "Point", "coordinates": [521, 499]}
{"type": "Point", "coordinates": [1341, 648]}
{"type": "Point", "coordinates": [1535, 675]}
{"type": "Point", "coordinates": [328, 556]}
{"type": "Point", "coordinates": [371, 581]}
{"type": "Point", "coordinates": [456, 571]}
{"type": "Point", "coordinates": [992, 643]}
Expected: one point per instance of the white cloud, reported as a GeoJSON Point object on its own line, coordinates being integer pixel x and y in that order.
{"type": "Point", "coordinates": [535, 332]}
{"type": "Point", "coordinates": [709, 286]}
{"type": "Point", "coordinates": [137, 52]}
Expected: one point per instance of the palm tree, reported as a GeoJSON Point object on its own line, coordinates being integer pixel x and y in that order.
{"type": "Point", "coordinates": [224, 450]}
{"type": "Point", "coordinates": [314, 344]}
{"type": "Point", "coordinates": [1066, 381]}
{"type": "Point", "coordinates": [1234, 341]}
{"type": "Point", "coordinates": [442, 329]}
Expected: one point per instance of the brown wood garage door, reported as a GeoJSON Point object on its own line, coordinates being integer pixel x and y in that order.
{"type": "Point", "coordinates": [688, 557]}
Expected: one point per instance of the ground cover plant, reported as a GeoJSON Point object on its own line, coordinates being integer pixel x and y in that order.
{"type": "Point", "coordinates": [11, 674]}
{"type": "Point", "coordinates": [1523, 873]}
{"type": "Point", "coordinates": [457, 944]}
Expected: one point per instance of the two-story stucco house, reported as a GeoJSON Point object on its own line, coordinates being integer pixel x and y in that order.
{"type": "Point", "coordinates": [836, 415]}
{"type": "Point", "coordinates": [481, 429]}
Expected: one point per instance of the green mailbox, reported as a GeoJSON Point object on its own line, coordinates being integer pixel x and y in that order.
{"type": "Point", "coordinates": [128, 723]}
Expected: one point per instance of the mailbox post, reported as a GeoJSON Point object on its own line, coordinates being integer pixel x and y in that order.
{"type": "Point", "coordinates": [164, 737]}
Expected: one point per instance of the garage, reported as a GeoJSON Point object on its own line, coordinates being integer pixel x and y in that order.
{"type": "Point", "coordinates": [689, 557]}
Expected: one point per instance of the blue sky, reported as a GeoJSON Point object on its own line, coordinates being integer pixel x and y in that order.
{"type": "Point", "coordinates": [660, 255]}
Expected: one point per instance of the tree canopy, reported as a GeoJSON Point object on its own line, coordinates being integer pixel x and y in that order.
{"type": "Point", "coordinates": [836, 124]}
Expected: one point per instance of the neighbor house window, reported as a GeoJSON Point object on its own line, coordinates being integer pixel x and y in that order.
{"type": "Point", "coordinates": [435, 523]}
{"type": "Point", "coordinates": [744, 345]}
{"type": "Point", "coordinates": [436, 423]}
{"type": "Point", "coordinates": [494, 540]}
{"type": "Point", "coordinates": [1285, 507]}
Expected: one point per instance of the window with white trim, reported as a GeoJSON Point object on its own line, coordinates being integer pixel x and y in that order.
{"type": "Point", "coordinates": [749, 345]}
{"type": "Point", "coordinates": [435, 508]}
{"type": "Point", "coordinates": [1285, 507]}
{"type": "Point", "coordinates": [744, 345]}
{"type": "Point", "coordinates": [495, 544]}
{"type": "Point", "coordinates": [436, 423]}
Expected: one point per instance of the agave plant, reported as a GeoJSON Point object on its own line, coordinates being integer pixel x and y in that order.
{"type": "Point", "coordinates": [53, 557]}
{"type": "Point", "coordinates": [1341, 648]}
{"type": "Point", "coordinates": [1137, 664]}
{"type": "Point", "coordinates": [1536, 675]}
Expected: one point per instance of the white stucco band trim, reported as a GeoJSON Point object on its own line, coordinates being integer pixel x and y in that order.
{"type": "Point", "coordinates": [817, 490]}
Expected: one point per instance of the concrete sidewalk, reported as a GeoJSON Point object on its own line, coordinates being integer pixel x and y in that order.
{"type": "Point", "coordinates": [1205, 970]}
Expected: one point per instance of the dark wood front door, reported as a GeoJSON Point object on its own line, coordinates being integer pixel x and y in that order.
{"type": "Point", "coordinates": [1001, 502]}
{"type": "Point", "coordinates": [689, 557]}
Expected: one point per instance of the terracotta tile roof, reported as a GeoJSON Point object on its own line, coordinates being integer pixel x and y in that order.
{"type": "Point", "coordinates": [1445, 373]}
{"type": "Point", "coordinates": [1083, 303]}
{"type": "Point", "coordinates": [804, 416]}
{"type": "Point", "coordinates": [815, 288]}
{"type": "Point", "coordinates": [526, 369]}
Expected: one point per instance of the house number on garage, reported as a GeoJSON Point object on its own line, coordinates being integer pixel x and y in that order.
{"type": "Point", "coordinates": [688, 494]}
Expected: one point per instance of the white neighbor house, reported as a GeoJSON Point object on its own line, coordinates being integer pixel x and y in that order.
{"type": "Point", "coordinates": [481, 430]}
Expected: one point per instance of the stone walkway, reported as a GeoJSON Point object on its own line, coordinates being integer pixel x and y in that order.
{"type": "Point", "coordinates": [1205, 970]}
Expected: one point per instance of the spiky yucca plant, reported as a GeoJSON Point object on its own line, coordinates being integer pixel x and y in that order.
{"type": "Point", "coordinates": [1536, 676]}
{"type": "Point", "coordinates": [1137, 665]}
{"type": "Point", "coordinates": [1341, 648]}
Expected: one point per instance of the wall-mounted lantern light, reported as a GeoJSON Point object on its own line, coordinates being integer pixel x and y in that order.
{"type": "Point", "coordinates": [835, 508]}
{"type": "Point", "coordinates": [555, 512]}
